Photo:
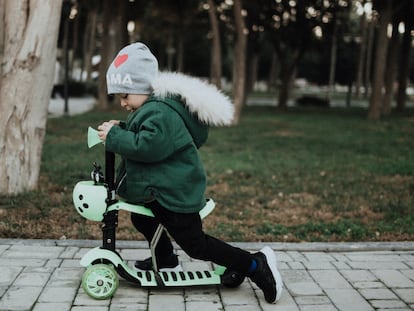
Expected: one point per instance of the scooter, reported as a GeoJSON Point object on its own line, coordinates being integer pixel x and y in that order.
{"type": "Point", "coordinates": [96, 200]}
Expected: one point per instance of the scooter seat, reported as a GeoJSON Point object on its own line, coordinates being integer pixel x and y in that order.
{"type": "Point", "coordinates": [142, 210]}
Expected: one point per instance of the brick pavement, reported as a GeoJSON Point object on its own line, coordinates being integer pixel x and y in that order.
{"type": "Point", "coordinates": [45, 275]}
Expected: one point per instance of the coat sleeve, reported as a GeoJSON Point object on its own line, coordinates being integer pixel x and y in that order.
{"type": "Point", "coordinates": [157, 137]}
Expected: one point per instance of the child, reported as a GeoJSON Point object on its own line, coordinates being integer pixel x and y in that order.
{"type": "Point", "coordinates": [169, 118]}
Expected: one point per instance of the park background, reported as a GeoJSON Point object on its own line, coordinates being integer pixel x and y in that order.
{"type": "Point", "coordinates": [321, 145]}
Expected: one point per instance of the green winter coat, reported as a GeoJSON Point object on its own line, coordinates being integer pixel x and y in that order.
{"type": "Point", "coordinates": [159, 145]}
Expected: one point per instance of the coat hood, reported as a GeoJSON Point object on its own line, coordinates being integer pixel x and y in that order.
{"type": "Point", "coordinates": [202, 99]}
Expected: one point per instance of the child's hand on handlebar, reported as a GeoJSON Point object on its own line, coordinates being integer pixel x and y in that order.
{"type": "Point", "coordinates": [105, 127]}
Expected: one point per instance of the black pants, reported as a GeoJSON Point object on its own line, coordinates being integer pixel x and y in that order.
{"type": "Point", "coordinates": [187, 231]}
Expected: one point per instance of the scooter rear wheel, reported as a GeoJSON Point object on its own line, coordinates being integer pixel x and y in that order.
{"type": "Point", "coordinates": [100, 281]}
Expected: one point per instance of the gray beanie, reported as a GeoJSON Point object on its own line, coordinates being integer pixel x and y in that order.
{"type": "Point", "coordinates": [132, 70]}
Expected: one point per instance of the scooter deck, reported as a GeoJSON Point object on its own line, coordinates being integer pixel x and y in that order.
{"type": "Point", "coordinates": [178, 279]}
{"type": "Point", "coordinates": [152, 278]}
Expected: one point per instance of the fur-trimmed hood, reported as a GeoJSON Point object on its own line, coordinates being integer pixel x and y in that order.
{"type": "Point", "coordinates": [204, 100]}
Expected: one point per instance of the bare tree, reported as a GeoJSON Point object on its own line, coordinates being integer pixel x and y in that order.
{"type": "Point", "coordinates": [405, 56]}
{"type": "Point", "coordinates": [239, 61]}
{"type": "Point", "coordinates": [392, 59]}
{"type": "Point", "coordinates": [361, 56]}
{"type": "Point", "coordinates": [385, 11]}
{"type": "Point", "coordinates": [109, 46]}
{"type": "Point", "coordinates": [215, 68]}
{"type": "Point", "coordinates": [28, 61]}
{"type": "Point", "coordinates": [89, 42]}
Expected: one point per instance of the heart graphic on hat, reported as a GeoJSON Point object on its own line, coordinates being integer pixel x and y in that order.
{"type": "Point", "coordinates": [120, 59]}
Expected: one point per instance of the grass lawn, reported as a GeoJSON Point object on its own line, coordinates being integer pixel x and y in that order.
{"type": "Point", "coordinates": [302, 175]}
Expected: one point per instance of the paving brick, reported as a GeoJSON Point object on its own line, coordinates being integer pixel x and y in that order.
{"type": "Point", "coordinates": [312, 300]}
{"type": "Point", "coordinates": [202, 294]}
{"type": "Point", "coordinates": [135, 254]}
{"type": "Point", "coordinates": [348, 299]}
{"type": "Point", "coordinates": [318, 256]}
{"type": "Point", "coordinates": [13, 298]}
{"type": "Point", "coordinates": [284, 257]}
{"type": "Point", "coordinates": [329, 279]}
{"type": "Point", "coordinates": [53, 263]}
{"type": "Point", "coordinates": [35, 251]}
{"type": "Point", "coordinates": [206, 306]}
{"type": "Point", "coordinates": [9, 274]}
{"type": "Point", "coordinates": [3, 290]}
{"type": "Point", "coordinates": [89, 308]}
{"type": "Point", "coordinates": [374, 257]}
{"type": "Point", "coordinates": [128, 293]}
{"type": "Point", "coordinates": [408, 273]}
{"type": "Point", "coordinates": [286, 303]}
{"type": "Point", "coordinates": [32, 279]}
{"type": "Point", "coordinates": [377, 265]}
{"type": "Point", "coordinates": [296, 256]}
{"type": "Point", "coordinates": [58, 294]}
{"type": "Point", "coordinates": [406, 294]}
{"type": "Point", "coordinates": [300, 283]}
{"type": "Point", "coordinates": [359, 275]}
{"type": "Point", "coordinates": [368, 284]}
{"type": "Point", "coordinates": [167, 302]}
{"type": "Point", "coordinates": [393, 278]}
{"type": "Point", "coordinates": [61, 306]}
{"type": "Point", "coordinates": [127, 307]}
{"type": "Point", "coordinates": [377, 293]}
{"type": "Point", "coordinates": [318, 265]}
{"type": "Point", "coordinates": [295, 265]}
{"type": "Point", "coordinates": [69, 252]}
{"type": "Point", "coordinates": [388, 304]}
{"type": "Point", "coordinates": [82, 299]}
{"type": "Point", "coordinates": [325, 307]}
{"type": "Point", "coordinates": [22, 262]}
{"type": "Point", "coordinates": [71, 263]}
{"type": "Point", "coordinates": [243, 295]}
{"type": "Point", "coordinates": [339, 257]}
{"type": "Point", "coordinates": [340, 265]}
{"type": "Point", "coordinates": [3, 248]}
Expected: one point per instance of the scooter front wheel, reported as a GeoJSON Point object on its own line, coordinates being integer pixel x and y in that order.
{"type": "Point", "coordinates": [100, 281]}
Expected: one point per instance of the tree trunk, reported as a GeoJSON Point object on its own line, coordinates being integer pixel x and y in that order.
{"type": "Point", "coordinates": [89, 44]}
{"type": "Point", "coordinates": [273, 72]}
{"type": "Point", "coordinates": [391, 70]}
{"type": "Point", "coordinates": [215, 67]}
{"type": "Point", "coordinates": [287, 77]}
{"type": "Point", "coordinates": [75, 40]}
{"type": "Point", "coordinates": [106, 55]}
{"type": "Point", "coordinates": [368, 61]}
{"type": "Point", "coordinates": [239, 62]}
{"type": "Point", "coordinates": [252, 70]}
{"type": "Point", "coordinates": [361, 57]}
{"type": "Point", "coordinates": [29, 55]}
{"type": "Point", "coordinates": [2, 9]}
{"type": "Point", "coordinates": [332, 62]}
{"type": "Point", "coordinates": [374, 111]}
{"type": "Point", "coordinates": [404, 65]}
{"type": "Point", "coordinates": [180, 50]}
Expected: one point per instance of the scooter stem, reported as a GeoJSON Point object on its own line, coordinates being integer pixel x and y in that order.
{"type": "Point", "coordinates": [110, 220]}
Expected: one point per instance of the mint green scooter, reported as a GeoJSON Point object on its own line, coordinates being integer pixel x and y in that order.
{"type": "Point", "coordinates": [96, 200]}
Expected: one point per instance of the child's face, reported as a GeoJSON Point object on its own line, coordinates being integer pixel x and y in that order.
{"type": "Point", "coordinates": [132, 102]}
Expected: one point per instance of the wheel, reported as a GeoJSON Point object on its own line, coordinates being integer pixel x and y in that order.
{"type": "Point", "coordinates": [100, 281]}
{"type": "Point", "coordinates": [231, 278]}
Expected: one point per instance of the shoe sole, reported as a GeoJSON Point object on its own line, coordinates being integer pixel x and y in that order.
{"type": "Point", "coordinates": [272, 262]}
